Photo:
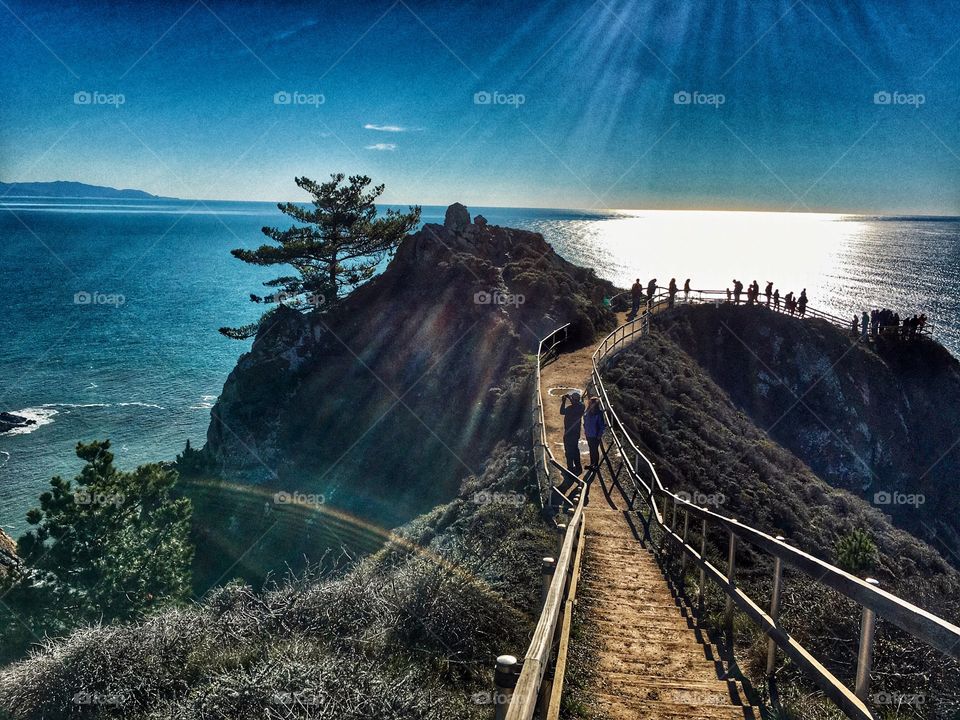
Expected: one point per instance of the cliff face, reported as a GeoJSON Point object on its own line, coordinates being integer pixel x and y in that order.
{"type": "Point", "coordinates": [882, 423]}
{"type": "Point", "coordinates": [385, 403]}
{"type": "Point", "coordinates": [8, 553]}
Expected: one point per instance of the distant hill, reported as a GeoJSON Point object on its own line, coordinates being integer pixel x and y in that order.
{"type": "Point", "coordinates": [67, 189]}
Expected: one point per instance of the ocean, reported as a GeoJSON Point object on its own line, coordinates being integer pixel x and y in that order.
{"type": "Point", "coordinates": [112, 307]}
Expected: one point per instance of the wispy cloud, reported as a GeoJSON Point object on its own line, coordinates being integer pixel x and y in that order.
{"type": "Point", "coordinates": [387, 128]}
{"type": "Point", "coordinates": [382, 146]}
{"type": "Point", "coordinates": [284, 34]}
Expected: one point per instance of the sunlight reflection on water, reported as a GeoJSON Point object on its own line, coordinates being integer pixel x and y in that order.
{"type": "Point", "coordinates": [846, 262]}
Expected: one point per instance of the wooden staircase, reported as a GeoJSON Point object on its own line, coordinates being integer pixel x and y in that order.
{"type": "Point", "coordinates": [652, 663]}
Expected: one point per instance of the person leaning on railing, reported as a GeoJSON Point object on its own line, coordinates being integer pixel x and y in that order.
{"type": "Point", "coordinates": [593, 427]}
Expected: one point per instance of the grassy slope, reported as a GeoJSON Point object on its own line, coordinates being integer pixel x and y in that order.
{"type": "Point", "coordinates": [702, 442]}
{"type": "Point", "coordinates": [411, 632]}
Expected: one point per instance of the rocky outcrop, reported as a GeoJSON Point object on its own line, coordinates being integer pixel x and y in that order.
{"type": "Point", "coordinates": [878, 421]}
{"type": "Point", "coordinates": [386, 402]}
{"type": "Point", "coordinates": [457, 218]}
{"type": "Point", "coordinates": [9, 421]}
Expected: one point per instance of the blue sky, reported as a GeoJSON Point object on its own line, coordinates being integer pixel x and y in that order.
{"type": "Point", "coordinates": [586, 101]}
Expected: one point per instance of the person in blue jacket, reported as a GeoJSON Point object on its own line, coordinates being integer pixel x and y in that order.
{"type": "Point", "coordinates": [594, 426]}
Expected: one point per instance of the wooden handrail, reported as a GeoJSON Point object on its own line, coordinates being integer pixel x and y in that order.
{"type": "Point", "coordinates": [527, 692]}
{"type": "Point", "coordinates": [922, 625]}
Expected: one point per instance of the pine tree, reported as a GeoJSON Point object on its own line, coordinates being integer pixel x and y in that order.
{"type": "Point", "coordinates": [336, 246]}
{"type": "Point", "coordinates": [110, 545]}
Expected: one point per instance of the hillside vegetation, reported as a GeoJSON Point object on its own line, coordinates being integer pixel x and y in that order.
{"type": "Point", "coordinates": [704, 442]}
{"type": "Point", "coordinates": [410, 632]}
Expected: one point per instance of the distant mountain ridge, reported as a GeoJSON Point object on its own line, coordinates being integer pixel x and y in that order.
{"type": "Point", "coordinates": [69, 189]}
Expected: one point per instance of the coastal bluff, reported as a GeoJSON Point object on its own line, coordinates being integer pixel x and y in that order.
{"type": "Point", "coordinates": [385, 402]}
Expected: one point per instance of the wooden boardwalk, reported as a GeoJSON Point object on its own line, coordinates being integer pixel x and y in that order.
{"type": "Point", "coordinates": [652, 662]}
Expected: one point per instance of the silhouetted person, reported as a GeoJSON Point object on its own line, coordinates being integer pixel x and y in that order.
{"type": "Point", "coordinates": [686, 290]}
{"type": "Point", "coordinates": [593, 427]}
{"type": "Point", "coordinates": [864, 326]}
{"type": "Point", "coordinates": [651, 290]}
{"type": "Point", "coordinates": [855, 327]}
{"type": "Point", "coordinates": [802, 303]}
{"type": "Point", "coordinates": [874, 322]}
{"type": "Point", "coordinates": [728, 294]}
{"type": "Point", "coordinates": [776, 299]}
{"type": "Point", "coordinates": [572, 417]}
{"type": "Point", "coordinates": [789, 304]}
{"type": "Point", "coordinates": [768, 291]}
{"type": "Point", "coordinates": [636, 297]}
{"type": "Point", "coordinates": [737, 291]}
{"type": "Point", "coordinates": [672, 290]}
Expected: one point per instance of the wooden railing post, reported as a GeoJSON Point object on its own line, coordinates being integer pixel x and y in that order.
{"type": "Point", "coordinates": [703, 573]}
{"type": "Point", "coordinates": [731, 578]}
{"type": "Point", "coordinates": [868, 625]}
{"type": "Point", "coordinates": [548, 566]}
{"type": "Point", "coordinates": [683, 552]}
{"type": "Point", "coordinates": [774, 610]}
{"type": "Point", "coordinates": [504, 681]}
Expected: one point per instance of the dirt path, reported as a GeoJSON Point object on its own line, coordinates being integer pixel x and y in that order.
{"type": "Point", "coordinates": [652, 663]}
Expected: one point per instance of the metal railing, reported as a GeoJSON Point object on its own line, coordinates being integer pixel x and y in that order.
{"type": "Point", "coordinates": [875, 602]}
{"type": "Point", "coordinates": [718, 297]}
{"type": "Point", "coordinates": [546, 351]}
{"type": "Point", "coordinates": [522, 688]}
